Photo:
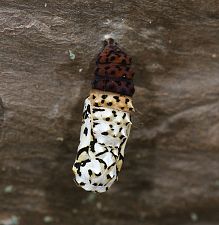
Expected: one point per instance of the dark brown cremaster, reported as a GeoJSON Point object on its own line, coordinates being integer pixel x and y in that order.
{"type": "Point", "coordinates": [113, 70]}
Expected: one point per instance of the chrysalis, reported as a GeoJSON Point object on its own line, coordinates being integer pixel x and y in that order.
{"type": "Point", "coordinates": [106, 121]}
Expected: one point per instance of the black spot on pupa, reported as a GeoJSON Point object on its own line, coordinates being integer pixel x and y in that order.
{"type": "Point", "coordinates": [90, 172]}
{"type": "Point", "coordinates": [124, 115]}
{"type": "Point", "coordinates": [88, 109]}
{"type": "Point", "coordinates": [77, 165]}
{"type": "Point", "coordinates": [123, 61]}
{"type": "Point", "coordinates": [118, 82]}
{"type": "Point", "coordinates": [86, 112]}
{"type": "Point", "coordinates": [128, 83]}
{"type": "Point", "coordinates": [82, 183]}
{"type": "Point", "coordinates": [126, 100]}
{"type": "Point", "coordinates": [117, 98]}
{"type": "Point", "coordinates": [109, 103]}
{"type": "Point", "coordinates": [92, 143]}
{"type": "Point", "coordinates": [107, 119]}
{"type": "Point", "coordinates": [102, 101]}
{"type": "Point", "coordinates": [114, 113]}
{"type": "Point", "coordinates": [85, 131]}
{"type": "Point", "coordinates": [105, 133]}
{"type": "Point", "coordinates": [96, 110]}
{"type": "Point", "coordinates": [104, 96]}
{"type": "Point", "coordinates": [83, 163]}
{"type": "Point", "coordinates": [95, 124]}
{"type": "Point", "coordinates": [93, 96]}
{"type": "Point", "coordinates": [122, 136]}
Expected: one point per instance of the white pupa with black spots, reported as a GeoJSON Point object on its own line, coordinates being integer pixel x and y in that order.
{"type": "Point", "coordinates": [100, 155]}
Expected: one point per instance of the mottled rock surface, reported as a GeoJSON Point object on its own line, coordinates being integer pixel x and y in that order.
{"type": "Point", "coordinates": [171, 170]}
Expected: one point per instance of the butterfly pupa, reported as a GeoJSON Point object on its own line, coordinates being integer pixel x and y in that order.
{"type": "Point", "coordinates": [106, 121]}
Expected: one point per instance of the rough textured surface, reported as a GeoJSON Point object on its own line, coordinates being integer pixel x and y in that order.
{"type": "Point", "coordinates": [170, 175]}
